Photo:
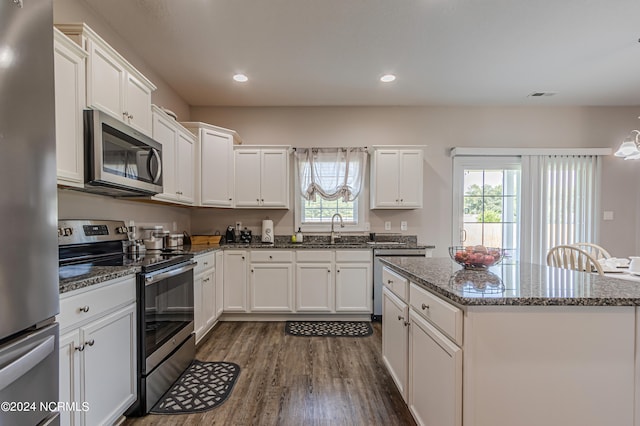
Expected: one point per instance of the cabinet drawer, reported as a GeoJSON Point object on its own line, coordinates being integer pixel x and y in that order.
{"type": "Point", "coordinates": [353, 255]}
{"type": "Point", "coordinates": [394, 282]}
{"type": "Point", "coordinates": [443, 315]}
{"type": "Point", "coordinates": [105, 297]}
{"type": "Point", "coordinates": [205, 261]}
{"type": "Point", "coordinates": [271, 256]}
{"type": "Point", "coordinates": [314, 255]}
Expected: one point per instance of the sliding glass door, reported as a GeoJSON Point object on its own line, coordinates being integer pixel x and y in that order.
{"type": "Point", "coordinates": [487, 202]}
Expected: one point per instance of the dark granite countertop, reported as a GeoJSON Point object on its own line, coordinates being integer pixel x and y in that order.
{"type": "Point", "coordinates": [74, 277]}
{"type": "Point", "coordinates": [515, 284]}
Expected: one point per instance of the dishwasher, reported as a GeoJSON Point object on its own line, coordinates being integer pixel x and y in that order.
{"type": "Point", "coordinates": [377, 272]}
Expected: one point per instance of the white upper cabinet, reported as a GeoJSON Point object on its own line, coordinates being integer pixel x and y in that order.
{"type": "Point", "coordinates": [177, 159]}
{"type": "Point", "coordinates": [69, 62]}
{"type": "Point", "coordinates": [113, 84]}
{"type": "Point", "coordinates": [214, 165]}
{"type": "Point", "coordinates": [396, 178]}
{"type": "Point", "coordinates": [262, 177]}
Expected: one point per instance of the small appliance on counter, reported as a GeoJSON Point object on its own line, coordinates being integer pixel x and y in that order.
{"type": "Point", "coordinates": [245, 236]}
{"type": "Point", "coordinates": [230, 235]}
{"type": "Point", "coordinates": [267, 231]}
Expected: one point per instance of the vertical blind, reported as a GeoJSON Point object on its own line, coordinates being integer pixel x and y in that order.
{"type": "Point", "coordinates": [564, 200]}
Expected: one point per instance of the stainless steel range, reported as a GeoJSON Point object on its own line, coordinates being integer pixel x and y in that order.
{"type": "Point", "coordinates": [165, 338]}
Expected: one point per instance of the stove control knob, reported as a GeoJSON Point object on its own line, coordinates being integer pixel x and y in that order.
{"type": "Point", "coordinates": [60, 232]}
{"type": "Point", "coordinates": [67, 232]}
{"type": "Point", "coordinates": [121, 230]}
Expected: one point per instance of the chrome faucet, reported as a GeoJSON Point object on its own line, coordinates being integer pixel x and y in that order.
{"type": "Point", "coordinates": [333, 234]}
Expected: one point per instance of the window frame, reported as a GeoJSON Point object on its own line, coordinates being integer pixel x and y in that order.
{"type": "Point", "coordinates": [362, 217]}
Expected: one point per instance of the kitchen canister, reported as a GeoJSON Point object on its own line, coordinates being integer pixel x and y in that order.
{"type": "Point", "coordinates": [267, 231]}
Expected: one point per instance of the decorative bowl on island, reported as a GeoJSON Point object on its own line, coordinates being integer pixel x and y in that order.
{"type": "Point", "coordinates": [476, 257]}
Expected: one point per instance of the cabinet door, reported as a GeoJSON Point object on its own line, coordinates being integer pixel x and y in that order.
{"type": "Point", "coordinates": [199, 321]}
{"type": "Point", "coordinates": [354, 289]}
{"type": "Point", "coordinates": [274, 180]}
{"type": "Point", "coordinates": [219, 283]}
{"type": "Point", "coordinates": [435, 376]}
{"type": "Point", "coordinates": [216, 168]}
{"type": "Point", "coordinates": [208, 300]}
{"type": "Point", "coordinates": [69, 62]}
{"type": "Point", "coordinates": [410, 185]}
{"type": "Point", "coordinates": [235, 281]}
{"type": "Point", "coordinates": [395, 339]}
{"type": "Point", "coordinates": [314, 287]}
{"type": "Point", "coordinates": [105, 81]}
{"type": "Point", "coordinates": [247, 177]}
{"type": "Point", "coordinates": [165, 132]}
{"type": "Point", "coordinates": [385, 179]}
{"type": "Point", "coordinates": [271, 287]}
{"type": "Point", "coordinates": [69, 374]}
{"type": "Point", "coordinates": [184, 168]}
{"type": "Point", "coordinates": [109, 366]}
{"type": "Point", "coordinates": [137, 104]}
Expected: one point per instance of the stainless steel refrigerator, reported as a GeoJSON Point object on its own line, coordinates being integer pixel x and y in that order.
{"type": "Point", "coordinates": [28, 213]}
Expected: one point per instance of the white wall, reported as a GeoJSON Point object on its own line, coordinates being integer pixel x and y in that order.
{"type": "Point", "coordinates": [441, 128]}
{"type": "Point", "coordinates": [80, 205]}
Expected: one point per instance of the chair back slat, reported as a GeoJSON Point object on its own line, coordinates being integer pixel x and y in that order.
{"type": "Point", "coordinates": [572, 257]}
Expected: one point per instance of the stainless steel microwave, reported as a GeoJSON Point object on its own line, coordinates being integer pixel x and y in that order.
{"type": "Point", "coordinates": [119, 160]}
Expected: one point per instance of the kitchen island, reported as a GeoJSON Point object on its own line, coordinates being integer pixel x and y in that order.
{"type": "Point", "coordinates": [519, 344]}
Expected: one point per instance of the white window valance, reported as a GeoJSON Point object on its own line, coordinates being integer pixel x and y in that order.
{"type": "Point", "coordinates": [332, 173]}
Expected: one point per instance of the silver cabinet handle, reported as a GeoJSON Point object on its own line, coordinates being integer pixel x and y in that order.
{"type": "Point", "coordinates": [90, 342]}
{"type": "Point", "coordinates": [400, 317]}
{"type": "Point", "coordinates": [425, 306]}
{"type": "Point", "coordinates": [84, 309]}
{"type": "Point", "coordinates": [206, 263]}
{"type": "Point", "coordinates": [18, 3]}
{"type": "Point", "coordinates": [389, 281]}
{"type": "Point", "coordinates": [406, 323]}
{"type": "Point", "coordinates": [270, 257]}
{"type": "Point", "coordinates": [79, 348]}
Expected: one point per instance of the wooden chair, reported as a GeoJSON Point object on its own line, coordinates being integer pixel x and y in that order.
{"type": "Point", "coordinates": [593, 249]}
{"type": "Point", "coordinates": [572, 257]}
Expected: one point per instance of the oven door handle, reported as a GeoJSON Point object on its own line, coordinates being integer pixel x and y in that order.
{"type": "Point", "coordinates": [172, 273]}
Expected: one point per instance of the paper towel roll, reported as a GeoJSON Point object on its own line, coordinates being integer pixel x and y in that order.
{"type": "Point", "coordinates": [267, 231]}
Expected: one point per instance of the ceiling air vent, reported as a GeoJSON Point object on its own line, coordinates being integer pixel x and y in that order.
{"type": "Point", "coordinates": [538, 94]}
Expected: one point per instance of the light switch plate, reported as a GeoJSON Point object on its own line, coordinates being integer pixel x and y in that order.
{"type": "Point", "coordinates": [607, 215]}
{"type": "Point", "coordinates": [387, 226]}
{"type": "Point", "coordinates": [403, 225]}
{"type": "Point", "coordinates": [367, 226]}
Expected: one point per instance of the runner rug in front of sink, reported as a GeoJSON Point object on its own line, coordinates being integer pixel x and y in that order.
{"type": "Point", "coordinates": [329, 328]}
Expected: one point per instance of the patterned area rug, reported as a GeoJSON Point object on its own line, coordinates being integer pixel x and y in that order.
{"type": "Point", "coordinates": [329, 328]}
{"type": "Point", "coordinates": [203, 386]}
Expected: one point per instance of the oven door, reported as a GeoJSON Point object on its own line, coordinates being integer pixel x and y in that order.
{"type": "Point", "coordinates": [167, 318]}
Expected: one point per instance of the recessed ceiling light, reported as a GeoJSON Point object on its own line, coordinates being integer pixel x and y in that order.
{"type": "Point", "coordinates": [240, 78]}
{"type": "Point", "coordinates": [387, 78]}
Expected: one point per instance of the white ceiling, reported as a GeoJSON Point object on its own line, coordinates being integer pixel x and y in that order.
{"type": "Point", "coordinates": [332, 52]}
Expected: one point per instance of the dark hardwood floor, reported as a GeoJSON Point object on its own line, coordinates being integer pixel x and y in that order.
{"type": "Point", "coordinates": [290, 380]}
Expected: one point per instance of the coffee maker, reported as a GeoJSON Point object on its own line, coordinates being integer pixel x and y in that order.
{"type": "Point", "coordinates": [230, 235]}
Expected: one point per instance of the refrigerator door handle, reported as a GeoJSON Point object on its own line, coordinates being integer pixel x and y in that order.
{"type": "Point", "coordinates": [16, 369]}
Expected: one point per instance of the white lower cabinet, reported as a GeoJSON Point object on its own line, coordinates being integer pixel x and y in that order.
{"type": "Point", "coordinates": [219, 280]}
{"type": "Point", "coordinates": [435, 375]}
{"type": "Point", "coordinates": [204, 294]}
{"type": "Point", "coordinates": [98, 352]}
{"type": "Point", "coordinates": [235, 281]}
{"type": "Point", "coordinates": [271, 287]}
{"type": "Point", "coordinates": [354, 283]}
{"type": "Point", "coordinates": [395, 339]}
{"type": "Point", "coordinates": [314, 287]}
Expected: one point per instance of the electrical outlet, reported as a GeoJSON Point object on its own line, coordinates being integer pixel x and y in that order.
{"type": "Point", "coordinates": [608, 215]}
{"type": "Point", "coordinates": [238, 226]}
{"type": "Point", "coordinates": [403, 225]}
{"type": "Point", "coordinates": [367, 226]}
{"type": "Point", "coordinates": [387, 226]}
